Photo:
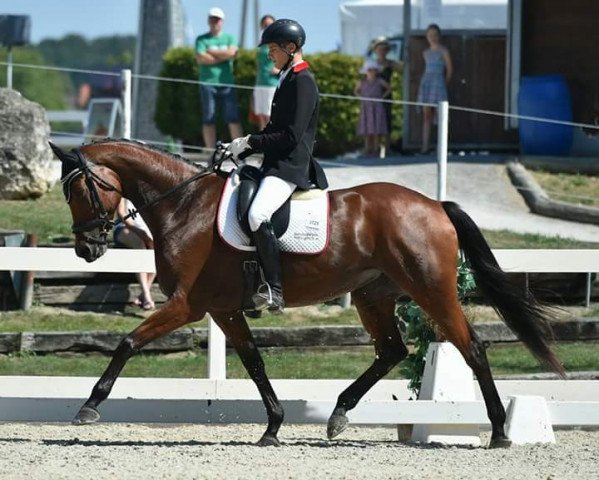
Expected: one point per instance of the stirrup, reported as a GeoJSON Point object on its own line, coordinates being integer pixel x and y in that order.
{"type": "Point", "coordinates": [266, 298]}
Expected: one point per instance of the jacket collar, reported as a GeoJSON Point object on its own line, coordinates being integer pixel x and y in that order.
{"type": "Point", "coordinates": [298, 67]}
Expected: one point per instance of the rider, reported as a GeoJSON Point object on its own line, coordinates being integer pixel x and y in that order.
{"type": "Point", "coordinates": [287, 142]}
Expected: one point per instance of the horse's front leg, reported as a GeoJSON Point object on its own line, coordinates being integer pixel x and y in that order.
{"type": "Point", "coordinates": [172, 315]}
{"type": "Point", "coordinates": [235, 327]}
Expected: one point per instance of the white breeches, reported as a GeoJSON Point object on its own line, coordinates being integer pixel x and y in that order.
{"type": "Point", "coordinates": [272, 193]}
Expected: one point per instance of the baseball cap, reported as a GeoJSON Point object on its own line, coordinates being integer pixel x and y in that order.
{"type": "Point", "coordinates": [216, 12]}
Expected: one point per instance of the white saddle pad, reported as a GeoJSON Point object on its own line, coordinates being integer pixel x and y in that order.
{"type": "Point", "coordinates": [308, 230]}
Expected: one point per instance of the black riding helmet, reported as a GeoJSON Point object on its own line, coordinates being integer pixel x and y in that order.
{"type": "Point", "coordinates": [282, 31]}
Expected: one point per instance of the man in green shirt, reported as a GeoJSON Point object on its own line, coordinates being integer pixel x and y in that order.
{"type": "Point", "coordinates": [267, 79]}
{"type": "Point", "coordinates": [215, 52]}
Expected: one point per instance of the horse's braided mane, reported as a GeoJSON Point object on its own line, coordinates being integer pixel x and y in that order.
{"type": "Point", "coordinates": [174, 156]}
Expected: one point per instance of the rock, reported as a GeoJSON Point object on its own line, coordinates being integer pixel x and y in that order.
{"type": "Point", "coordinates": [26, 162]}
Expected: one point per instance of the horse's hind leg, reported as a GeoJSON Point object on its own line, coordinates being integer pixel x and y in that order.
{"type": "Point", "coordinates": [237, 331]}
{"type": "Point", "coordinates": [172, 315]}
{"type": "Point", "coordinates": [436, 293]}
{"type": "Point", "coordinates": [376, 306]}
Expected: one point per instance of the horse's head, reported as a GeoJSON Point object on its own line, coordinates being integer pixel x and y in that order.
{"type": "Point", "coordinates": [93, 193]}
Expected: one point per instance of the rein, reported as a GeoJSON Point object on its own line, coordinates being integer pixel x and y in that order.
{"type": "Point", "coordinates": [213, 167]}
{"type": "Point", "coordinates": [102, 222]}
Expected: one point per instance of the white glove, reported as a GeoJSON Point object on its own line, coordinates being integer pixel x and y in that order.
{"type": "Point", "coordinates": [239, 145]}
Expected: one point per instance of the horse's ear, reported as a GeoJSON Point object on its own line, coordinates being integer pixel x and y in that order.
{"type": "Point", "coordinates": [69, 159]}
{"type": "Point", "coordinates": [57, 151]}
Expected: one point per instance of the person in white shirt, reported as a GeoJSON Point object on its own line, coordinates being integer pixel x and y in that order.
{"type": "Point", "coordinates": [134, 233]}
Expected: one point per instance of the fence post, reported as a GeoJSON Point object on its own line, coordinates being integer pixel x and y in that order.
{"type": "Point", "coordinates": [588, 293]}
{"type": "Point", "coordinates": [217, 352]}
{"type": "Point", "coordinates": [26, 291]}
{"type": "Point", "coordinates": [442, 134]}
{"type": "Point", "coordinates": [9, 68]}
{"type": "Point", "coordinates": [126, 100]}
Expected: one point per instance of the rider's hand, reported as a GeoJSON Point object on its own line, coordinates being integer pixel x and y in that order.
{"type": "Point", "coordinates": [239, 145]}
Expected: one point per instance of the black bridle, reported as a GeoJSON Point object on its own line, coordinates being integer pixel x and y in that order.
{"type": "Point", "coordinates": [102, 222]}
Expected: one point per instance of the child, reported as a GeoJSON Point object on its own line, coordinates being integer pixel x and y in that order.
{"type": "Point", "coordinates": [373, 119]}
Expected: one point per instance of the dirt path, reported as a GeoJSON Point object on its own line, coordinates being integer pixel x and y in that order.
{"type": "Point", "coordinates": [42, 451]}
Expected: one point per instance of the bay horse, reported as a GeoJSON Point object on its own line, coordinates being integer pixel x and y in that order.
{"type": "Point", "coordinates": [384, 240]}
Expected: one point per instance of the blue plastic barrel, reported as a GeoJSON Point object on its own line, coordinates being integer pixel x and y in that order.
{"type": "Point", "coordinates": [545, 96]}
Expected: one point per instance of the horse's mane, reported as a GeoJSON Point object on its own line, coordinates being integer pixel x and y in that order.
{"type": "Point", "coordinates": [174, 156]}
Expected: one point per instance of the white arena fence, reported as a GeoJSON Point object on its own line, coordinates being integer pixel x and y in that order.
{"type": "Point", "coordinates": [221, 400]}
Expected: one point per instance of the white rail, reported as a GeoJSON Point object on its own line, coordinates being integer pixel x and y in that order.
{"type": "Point", "coordinates": [115, 260]}
{"type": "Point", "coordinates": [57, 399]}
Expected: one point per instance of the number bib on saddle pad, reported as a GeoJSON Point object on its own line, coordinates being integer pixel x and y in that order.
{"type": "Point", "coordinates": [307, 231]}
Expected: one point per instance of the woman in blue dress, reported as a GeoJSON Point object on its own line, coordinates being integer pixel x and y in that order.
{"type": "Point", "coordinates": [433, 85]}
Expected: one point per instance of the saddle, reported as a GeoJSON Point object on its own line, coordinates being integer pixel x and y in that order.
{"type": "Point", "coordinates": [249, 182]}
{"type": "Point", "coordinates": [301, 224]}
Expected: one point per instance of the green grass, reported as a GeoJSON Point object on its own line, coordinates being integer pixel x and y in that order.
{"type": "Point", "coordinates": [512, 359]}
{"type": "Point", "coordinates": [508, 239]}
{"type": "Point", "coordinates": [43, 319]}
{"type": "Point", "coordinates": [47, 319]}
{"type": "Point", "coordinates": [571, 188]}
{"type": "Point", "coordinates": [288, 363]}
{"type": "Point", "coordinates": [49, 217]}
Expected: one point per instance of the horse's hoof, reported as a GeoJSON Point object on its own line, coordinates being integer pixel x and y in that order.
{"type": "Point", "coordinates": [501, 442]}
{"type": "Point", "coordinates": [337, 424]}
{"type": "Point", "coordinates": [86, 416]}
{"type": "Point", "coordinates": [268, 440]}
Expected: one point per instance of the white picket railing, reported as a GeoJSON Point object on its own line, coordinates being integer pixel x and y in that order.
{"type": "Point", "coordinates": [306, 401]}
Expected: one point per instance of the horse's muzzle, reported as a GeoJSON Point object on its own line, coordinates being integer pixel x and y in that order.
{"type": "Point", "coordinates": [89, 251]}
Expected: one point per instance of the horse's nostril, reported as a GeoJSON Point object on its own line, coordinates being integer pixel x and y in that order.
{"type": "Point", "coordinates": [83, 250]}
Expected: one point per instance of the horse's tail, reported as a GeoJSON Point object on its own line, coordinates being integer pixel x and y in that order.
{"type": "Point", "coordinates": [528, 319]}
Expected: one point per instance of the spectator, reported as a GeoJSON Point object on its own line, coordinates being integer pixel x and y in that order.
{"type": "Point", "coordinates": [215, 52]}
{"type": "Point", "coordinates": [381, 49]}
{"type": "Point", "coordinates": [267, 78]}
{"type": "Point", "coordinates": [134, 233]}
{"type": "Point", "coordinates": [433, 85]}
{"type": "Point", "coordinates": [372, 123]}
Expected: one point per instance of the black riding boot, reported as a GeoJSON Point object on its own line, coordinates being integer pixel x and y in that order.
{"type": "Point", "coordinates": [270, 293]}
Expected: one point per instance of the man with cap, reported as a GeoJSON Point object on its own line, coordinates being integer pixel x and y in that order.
{"type": "Point", "coordinates": [287, 142]}
{"type": "Point", "coordinates": [215, 52]}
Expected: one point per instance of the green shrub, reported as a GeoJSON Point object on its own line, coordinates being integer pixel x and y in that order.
{"type": "Point", "coordinates": [178, 110]}
{"type": "Point", "coordinates": [178, 104]}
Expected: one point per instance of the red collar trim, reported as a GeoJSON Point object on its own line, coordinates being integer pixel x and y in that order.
{"type": "Point", "coordinates": [300, 66]}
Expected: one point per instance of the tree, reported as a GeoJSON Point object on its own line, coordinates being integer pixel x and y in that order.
{"type": "Point", "coordinates": [47, 87]}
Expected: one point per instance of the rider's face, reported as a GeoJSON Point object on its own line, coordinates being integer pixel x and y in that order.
{"type": "Point", "coordinates": [278, 55]}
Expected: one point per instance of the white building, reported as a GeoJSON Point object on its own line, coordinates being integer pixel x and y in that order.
{"type": "Point", "coordinates": [363, 20]}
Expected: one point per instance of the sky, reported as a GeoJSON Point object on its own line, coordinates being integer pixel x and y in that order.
{"type": "Point", "coordinates": [94, 18]}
